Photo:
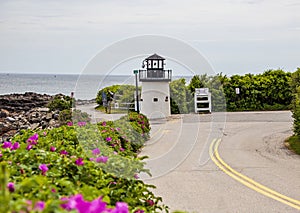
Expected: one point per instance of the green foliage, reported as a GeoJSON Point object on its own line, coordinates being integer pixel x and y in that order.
{"type": "Point", "coordinates": [197, 82]}
{"type": "Point", "coordinates": [114, 180]}
{"type": "Point", "coordinates": [178, 96]}
{"type": "Point", "coordinates": [295, 80]}
{"type": "Point", "coordinates": [182, 96]}
{"type": "Point", "coordinates": [123, 94]}
{"type": "Point", "coordinates": [113, 88]}
{"type": "Point", "coordinates": [296, 112]}
{"type": "Point", "coordinates": [67, 115]}
{"type": "Point", "coordinates": [268, 91]}
{"type": "Point", "coordinates": [294, 143]}
{"type": "Point", "coordinates": [60, 102]}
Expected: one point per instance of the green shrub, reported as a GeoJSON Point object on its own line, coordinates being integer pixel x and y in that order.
{"type": "Point", "coordinates": [296, 112]}
{"type": "Point", "coordinates": [75, 116]}
{"type": "Point", "coordinates": [294, 143]}
{"type": "Point", "coordinates": [60, 102]}
{"type": "Point", "coordinates": [60, 149]}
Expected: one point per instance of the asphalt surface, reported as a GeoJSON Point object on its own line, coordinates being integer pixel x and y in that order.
{"type": "Point", "coordinates": [252, 143]}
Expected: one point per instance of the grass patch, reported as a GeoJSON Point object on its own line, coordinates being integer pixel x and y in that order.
{"type": "Point", "coordinates": [294, 144]}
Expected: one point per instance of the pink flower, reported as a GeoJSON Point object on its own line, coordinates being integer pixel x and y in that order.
{"type": "Point", "coordinates": [6, 144]}
{"type": "Point", "coordinates": [33, 138]}
{"type": "Point", "coordinates": [103, 123]}
{"type": "Point", "coordinates": [70, 123]}
{"type": "Point", "coordinates": [1, 155]}
{"type": "Point", "coordinates": [39, 206]}
{"type": "Point", "coordinates": [79, 162]}
{"type": "Point", "coordinates": [136, 176]}
{"type": "Point", "coordinates": [139, 211]}
{"type": "Point", "coordinates": [29, 147]}
{"type": "Point", "coordinates": [52, 149]}
{"type": "Point", "coordinates": [63, 152]}
{"type": "Point", "coordinates": [122, 149]}
{"type": "Point", "coordinates": [96, 151]}
{"type": "Point", "coordinates": [11, 186]}
{"type": "Point", "coordinates": [108, 139]}
{"type": "Point", "coordinates": [53, 190]}
{"type": "Point", "coordinates": [77, 202]}
{"type": "Point", "coordinates": [121, 207]}
{"type": "Point", "coordinates": [81, 123]}
{"type": "Point", "coordinates": [15, 146]}
{"type": "Point", "coordinates": [102, 159]}
{"type": "Point", "coordinates": [43, 168]}
{"type": "Point", "coordinates": [44, 133]}
{"type": "Point", "coordinates": [150, 202]}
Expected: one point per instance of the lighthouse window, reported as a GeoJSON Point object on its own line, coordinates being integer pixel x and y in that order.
{"type": "Point", "coordinates": [155, 99]}
{"type": "Point", "coordinates": [166, 99]}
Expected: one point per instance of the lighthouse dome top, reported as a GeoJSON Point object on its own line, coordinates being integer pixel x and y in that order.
{"type": "Point", "coordinates": [155, 57]}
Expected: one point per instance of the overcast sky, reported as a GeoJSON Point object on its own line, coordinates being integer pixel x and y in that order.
{"type": "Point", "coordinates": [236, 36]}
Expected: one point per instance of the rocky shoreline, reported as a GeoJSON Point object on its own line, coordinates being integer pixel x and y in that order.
{"type": "Point", "coordinates": [28, 111]}
{"type": "Point", "coordinates": [25, 111]}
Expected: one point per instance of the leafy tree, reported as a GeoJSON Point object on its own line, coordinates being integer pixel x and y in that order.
{"type": "Point", "coordinates": [178, 91]}
{"type": "Point", "coordinates": [197, 82]}
{"type": "Point", "coordinates": [295, 80]}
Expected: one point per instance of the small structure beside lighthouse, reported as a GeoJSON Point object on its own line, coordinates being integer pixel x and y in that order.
{"type": "Point", "coordinates": [155, 97]}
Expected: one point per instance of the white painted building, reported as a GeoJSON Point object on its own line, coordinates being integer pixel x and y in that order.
{"type": "Point", "coordinates": [155, 97]}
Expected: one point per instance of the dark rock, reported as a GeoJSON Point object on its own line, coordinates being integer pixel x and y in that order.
{"type": "Point", "coordinates": [56, 116]}
{"type": "Point", "coordinates": [4, 113]}
{"type": "Point", "coordinates": [25, 111]}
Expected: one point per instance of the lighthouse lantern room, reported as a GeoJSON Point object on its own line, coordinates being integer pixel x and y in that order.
{"type": "Point", "coordinates": [155, 97]}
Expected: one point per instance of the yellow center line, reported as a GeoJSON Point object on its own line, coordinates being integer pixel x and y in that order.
{"type": "Point", "coordinates": [214, 154]}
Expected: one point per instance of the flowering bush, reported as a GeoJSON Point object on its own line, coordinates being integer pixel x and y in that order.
{"type": "Point", "coordinates": [72, 166]}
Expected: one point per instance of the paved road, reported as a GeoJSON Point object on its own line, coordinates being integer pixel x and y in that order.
{"type": "Point", "coordinates": [251, 143]}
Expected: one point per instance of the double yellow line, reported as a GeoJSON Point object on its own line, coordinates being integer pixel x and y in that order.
{"type": "Point", "coordinates": [214, 155]}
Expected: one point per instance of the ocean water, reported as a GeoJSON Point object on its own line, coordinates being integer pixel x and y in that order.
{"type": "Point", "coordinates": [85, 87]}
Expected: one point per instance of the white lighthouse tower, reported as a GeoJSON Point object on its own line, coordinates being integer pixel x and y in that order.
{"type": "Point", "coordinates": [155, 97]}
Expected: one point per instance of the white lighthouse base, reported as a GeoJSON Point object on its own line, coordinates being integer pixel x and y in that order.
{"type": "Point", "coordinates": [155, 99]}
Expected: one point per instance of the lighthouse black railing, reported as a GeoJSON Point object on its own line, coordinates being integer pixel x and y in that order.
{"type": "Point", "coordinates": [155, 75]}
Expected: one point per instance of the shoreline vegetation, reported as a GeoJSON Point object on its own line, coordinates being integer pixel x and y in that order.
{"type": "Point", "coordinates": [76, 166]}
